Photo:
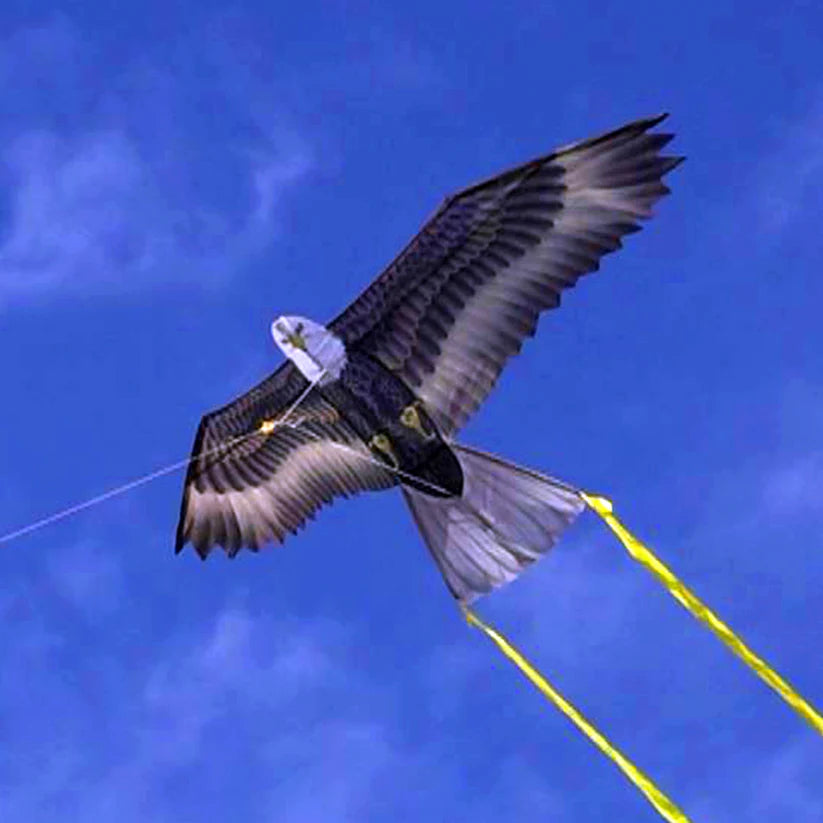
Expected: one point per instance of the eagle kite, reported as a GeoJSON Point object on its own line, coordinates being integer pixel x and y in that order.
{"type": "Point", "coordinates": [377, 397]}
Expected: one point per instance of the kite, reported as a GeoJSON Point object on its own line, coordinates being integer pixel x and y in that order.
{"type": "Point", "coordinates": [383, 389]}
{"type": "Point", "coordinates": [375, 399]}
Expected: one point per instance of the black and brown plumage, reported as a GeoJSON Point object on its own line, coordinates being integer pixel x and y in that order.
{"type": "Point", "coordinates": [424, 345]}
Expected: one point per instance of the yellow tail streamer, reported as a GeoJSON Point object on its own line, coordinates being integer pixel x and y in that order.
{"type": "Point", "coordinates": [643, 555]}
{"type": "Point", "coordinates": [666, 807]}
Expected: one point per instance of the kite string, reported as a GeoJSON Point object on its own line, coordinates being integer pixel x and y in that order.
{"type": "Point", "coordinates": [698, 609]}
{"type": "Point", "coordinates": [93, 501]}
{"type": "Point", "coordinates": [147, 478]}
{"type": "Point", "coordinates": [663, 804]}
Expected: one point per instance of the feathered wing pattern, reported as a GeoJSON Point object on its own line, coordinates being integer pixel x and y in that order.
{"type": "Point", "coordinates": [506, 518]}
{"type": "Point", "coordinates": [246, 486]}
{"type": "Point", "coordinates": [460, 299]}
{"type": "Point", "coordinates": [445, 316]}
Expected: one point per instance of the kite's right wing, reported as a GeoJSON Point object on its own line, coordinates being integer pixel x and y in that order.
{"type": "Point", "coordinates": [459, 300]}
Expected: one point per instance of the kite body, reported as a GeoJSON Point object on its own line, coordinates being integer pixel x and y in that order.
{"type": "Point", "coordinates": [380, 407]}
{"type": "Point", "coordinates": [395, 425]}
{"type": "Point", "coordinates": [382, 390]}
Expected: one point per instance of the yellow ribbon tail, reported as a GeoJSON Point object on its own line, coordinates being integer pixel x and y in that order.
{"type": "Point", "coordinates": [665, 807]}
{"type": "Point", "coordinates": [643, 555]}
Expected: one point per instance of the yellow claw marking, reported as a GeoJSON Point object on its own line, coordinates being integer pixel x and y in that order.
{"type": "Point", "coordinates": [267, 427]}
{"type": "Point", "coordinates": [698, 609]}
{"type": "Point", "coordinates": [294, 338]}
{"type": "Point", "coordinates": [382, 444]}
{"type": "Point", "coordinates": [410, 418]}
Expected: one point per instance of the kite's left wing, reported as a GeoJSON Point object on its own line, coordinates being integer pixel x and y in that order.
{"type": "Point", "coordinates": [459, 300]}
{"type": "Point", "coordinates": [249, 483]}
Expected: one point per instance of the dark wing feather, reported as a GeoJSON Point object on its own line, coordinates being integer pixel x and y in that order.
{"type": "Point", "coordinates": [463, 295]}
{"type": "Point", "coordinates": [245, 488]}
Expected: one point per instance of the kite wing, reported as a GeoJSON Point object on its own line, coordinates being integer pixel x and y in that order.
{"type": "Point", "coordinates": [247, 485]}
{"type": "Point", "coordinates": [459, 300]}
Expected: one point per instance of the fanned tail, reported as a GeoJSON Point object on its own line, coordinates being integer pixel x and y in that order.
{"type": "Point", "coordinates": [506, 518]}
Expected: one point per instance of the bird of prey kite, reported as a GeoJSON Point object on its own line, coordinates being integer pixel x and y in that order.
{"type": "Point", "coordinates": [384, 388]}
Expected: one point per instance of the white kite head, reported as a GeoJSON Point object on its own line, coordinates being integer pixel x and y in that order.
{"type": "Point", "coordinates": [319, 354]}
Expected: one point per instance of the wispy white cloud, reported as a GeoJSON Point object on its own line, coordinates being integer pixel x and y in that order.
{"type": "Point", "coordinates": [253, 661]}
{"type": "Point", "coordinates": [72, 213]}
{"type": "Point", "coordinates": [287, 694]}
{"type": "Point", "coordinates": [118, 181]}
{"type": "Point", "coordinates": [284, 703]}
{"type": "Point", "coordinates": [87, 576]}
{"type": "Point", "coordinates": [92, 207]}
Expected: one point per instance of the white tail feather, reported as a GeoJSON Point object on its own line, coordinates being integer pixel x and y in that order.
{"type": "Point", "coordinates": [506, 518]}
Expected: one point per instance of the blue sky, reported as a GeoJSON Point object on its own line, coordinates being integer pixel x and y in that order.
{"type": "Point", "coordinates": [177, 175]}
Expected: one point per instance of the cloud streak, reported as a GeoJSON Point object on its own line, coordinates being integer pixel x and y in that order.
{"type": "Point", "coordinates": [104, 205]}
{"type": "Point", "coordinates": [284, 695]}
